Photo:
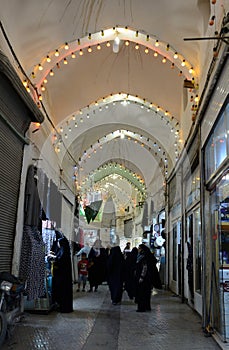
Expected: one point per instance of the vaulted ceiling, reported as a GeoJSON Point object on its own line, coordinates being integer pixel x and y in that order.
{"type": "Point", "coordinates": [110, 77]}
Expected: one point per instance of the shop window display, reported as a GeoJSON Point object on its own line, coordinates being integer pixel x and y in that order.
{"type": "Point", "coordinates": [217, 149]}
{"type": "Point", "coordinates": [222, 262]}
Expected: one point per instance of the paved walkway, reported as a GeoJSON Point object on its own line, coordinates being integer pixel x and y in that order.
{"type": "Point", "coordinates": [96, 324]}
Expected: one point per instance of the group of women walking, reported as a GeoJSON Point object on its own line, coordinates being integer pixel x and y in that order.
{"type": "Point", "coordinates": [134, 271]}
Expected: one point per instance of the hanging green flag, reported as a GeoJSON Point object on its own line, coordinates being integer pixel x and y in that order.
{"type": "Point", "coordinates": [92, 210]}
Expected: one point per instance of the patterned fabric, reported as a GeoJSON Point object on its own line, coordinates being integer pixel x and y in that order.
{"type": "Point", "coordinates": [32, 264]}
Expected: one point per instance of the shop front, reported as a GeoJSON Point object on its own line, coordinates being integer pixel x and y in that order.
{"type": "Point", "coordinates": [216, 155]}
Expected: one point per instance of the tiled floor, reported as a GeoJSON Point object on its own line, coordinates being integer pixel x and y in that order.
{"type": "Point", "coordinates": [96, 324]}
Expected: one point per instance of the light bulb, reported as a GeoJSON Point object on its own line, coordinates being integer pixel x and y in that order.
{"type": "Point", "coordinates": [57, 53]}
{"type": "Point", "coordinates": [116, 44]}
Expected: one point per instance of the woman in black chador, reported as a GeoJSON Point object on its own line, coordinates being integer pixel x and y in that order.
{"type": "Point", "coordinates": [62, 289]}
{"type": "Point", "coordinates": [130, 266]}
{"type": "Point", "coordinates": [115, 271]}
{"type": "Point", "coordinates": [143, 278]}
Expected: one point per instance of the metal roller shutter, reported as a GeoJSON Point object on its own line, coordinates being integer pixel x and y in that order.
{"type": "Point", "coordinates": [11, 154]}
{"type": "Point", "coordinates": [17, 111]}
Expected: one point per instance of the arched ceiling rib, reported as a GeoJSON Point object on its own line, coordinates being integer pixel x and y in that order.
{"type": "Point", "coordinates": [126, 151]}
{"type": "Point", "coordinates": [128, 84]}
{"type": "Point", "coordinates": [117, 170]}
{"type": "Point", "coordinates": [135, 114]}
{"type": "Point", "coordinates": [118, 72]}
{"type": "Point", "coordinates": [95, 40]}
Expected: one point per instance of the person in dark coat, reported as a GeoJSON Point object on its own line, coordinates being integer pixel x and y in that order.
{"type": "Point", "coordinates": [102, 266]}
{"type": "Point", "coordinates": [94, 272]}
{"type": "Point", "coordinates": [62, 288]}
{"type": "Point", "coordinates": [155, 275]}
{"type": "Point", "coordinates": [115, 269]}
{"type": "Point", "coordinates": [143, 279]}
{"type": "Point", "coordinates": [130, 266]}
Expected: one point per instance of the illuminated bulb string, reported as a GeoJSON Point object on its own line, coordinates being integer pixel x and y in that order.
{"type": "Point", "coordinates": [71, 48]}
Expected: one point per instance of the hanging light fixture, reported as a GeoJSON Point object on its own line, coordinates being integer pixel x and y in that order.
{"type": "Point", "coordinates": [116, 44]}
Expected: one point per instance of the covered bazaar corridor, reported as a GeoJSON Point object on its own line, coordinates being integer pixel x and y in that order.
{"type": "Point", "coordinates": [114, 128]}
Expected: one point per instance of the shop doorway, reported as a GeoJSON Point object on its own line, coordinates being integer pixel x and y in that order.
{"type": "Point", "coordinates": [220, 257]}
{"type": "Point", "coordinates": [194, 259]}
{"type": "Point", "coordinates": [177, 253]}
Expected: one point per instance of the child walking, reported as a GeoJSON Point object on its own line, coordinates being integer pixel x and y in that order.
{"type": "Point", "coordinates": [82, 271]}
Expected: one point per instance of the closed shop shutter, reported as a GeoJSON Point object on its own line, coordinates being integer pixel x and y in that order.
{"type": "Point", "coordinates": [11, 153]}
{"type": "Point", "coordinates": [17, 111]}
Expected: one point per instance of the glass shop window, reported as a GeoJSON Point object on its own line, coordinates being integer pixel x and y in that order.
{"type": "Point", "coordinates": [217, 148]}
{"type": "Point", "coordinates": [220, 142]}
{"type": "Point", "coordinates": [192, 187]}
{"type": "Point", "coordinates": [223, 225]}
{"type": "Point", "coordinates": [209, 158]}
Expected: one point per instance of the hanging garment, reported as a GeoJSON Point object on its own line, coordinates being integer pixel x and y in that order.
{"type": "Point", "coordinates": [32, 262]}
{"type": "Point", "coordinates": [62, 288]}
